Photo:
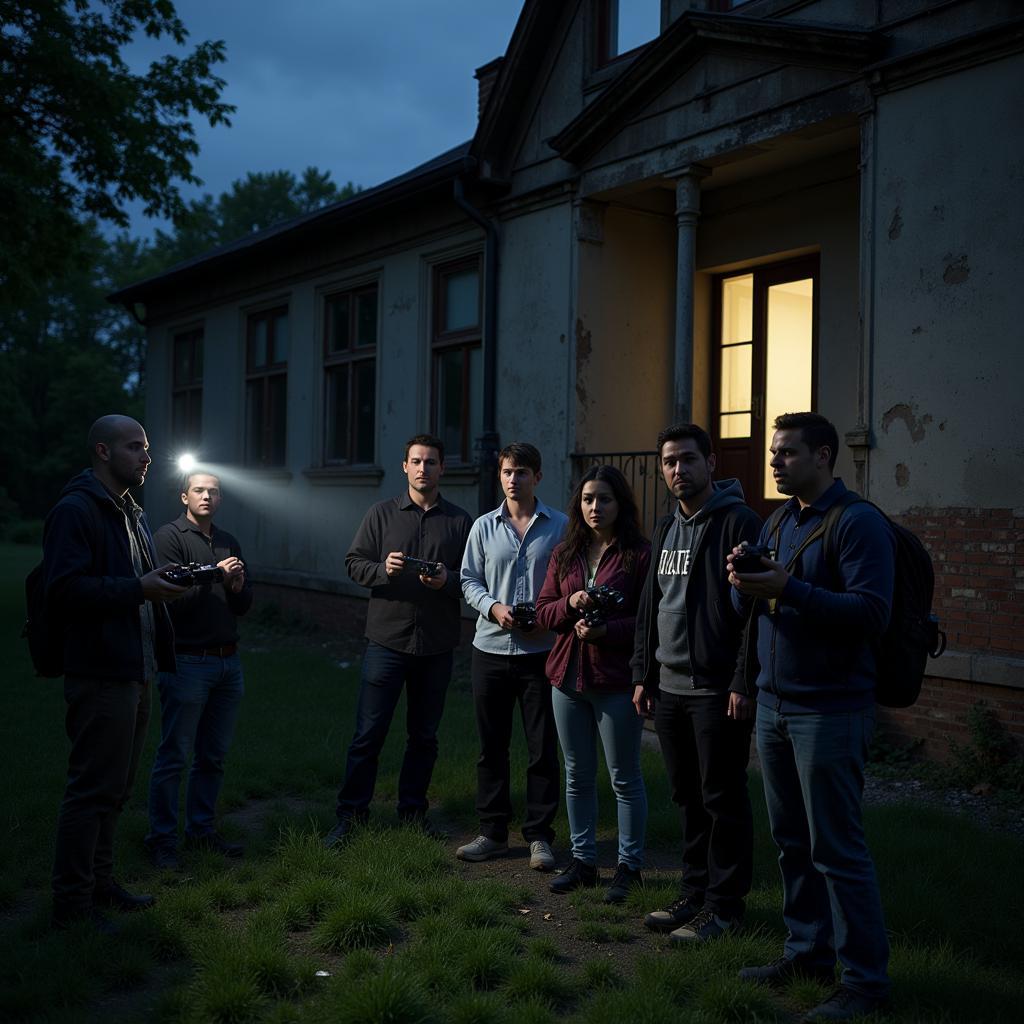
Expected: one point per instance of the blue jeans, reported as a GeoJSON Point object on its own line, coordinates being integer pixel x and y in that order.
{"type": "Point", "coordinates": [580, 717]}
{"type": "Point", "coordinates": [199, 708]}
{"type": "Point", "coordinates": [425, 678]}
{"type": "Point", "coordinates": [813, 767]}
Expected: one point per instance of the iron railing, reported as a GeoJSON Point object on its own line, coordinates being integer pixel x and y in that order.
{"type": "Point", "coordinates": [641, 470]}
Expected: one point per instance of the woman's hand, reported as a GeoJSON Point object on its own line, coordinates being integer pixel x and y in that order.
{"type": "Point", "coordinates": [585, 632]}
{"type": "Point", "coordinates": [580, 600]}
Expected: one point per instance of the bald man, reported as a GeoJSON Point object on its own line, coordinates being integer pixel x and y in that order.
{"type": "Point", "coordinates": [103, 584]}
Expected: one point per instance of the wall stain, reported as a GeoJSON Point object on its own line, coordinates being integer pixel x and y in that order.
{"type": "Point", "coordinates": [902, 475]}
{"type": "Point", "coordinates": [917, 330]}
{"type": "Point", "coordinates": [584, 347]}
{"type": "Point", "coordinates": [895, 225]}
{"type": "Point", "coordinates": [401, 306]}
{"type": "Point", "coordinates": [957, 271]}
{"type": "Point", "coordinates": [908, 414]}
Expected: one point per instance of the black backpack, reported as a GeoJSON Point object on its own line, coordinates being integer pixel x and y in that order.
{"type": "Point", "coordinates": [44, 629]}
{"type": "Point", "coordinates": [913, 633]}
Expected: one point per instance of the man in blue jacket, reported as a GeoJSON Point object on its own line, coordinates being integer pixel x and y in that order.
{"type": "Point", "coordinates": [816, 622]}
{"type": "Point", "coordinates": [103, 583]}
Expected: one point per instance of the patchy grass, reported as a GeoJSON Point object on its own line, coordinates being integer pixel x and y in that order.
{"type": "Point", "coordinates": [392, 928]}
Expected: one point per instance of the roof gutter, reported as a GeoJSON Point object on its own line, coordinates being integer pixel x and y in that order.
{"type": "Point", "coordinates": [487, 443]}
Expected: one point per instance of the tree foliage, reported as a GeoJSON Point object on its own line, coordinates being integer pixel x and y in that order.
{"type": "Point", "coordinates": [82, 135]}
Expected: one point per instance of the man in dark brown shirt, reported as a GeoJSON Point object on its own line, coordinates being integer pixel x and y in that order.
{"type": "Point", "coordinates": [412, 627]}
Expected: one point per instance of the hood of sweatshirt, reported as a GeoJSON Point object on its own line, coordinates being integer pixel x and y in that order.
{"type": "Point", "coordinates": [724, 493]}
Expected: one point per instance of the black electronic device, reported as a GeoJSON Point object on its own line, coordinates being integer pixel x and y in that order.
{"type": "Point", "coordinates": [750, 560]}
{"type": "Point", "coordinates": [419, 567]}
{"type": "Point", "coordinates": [193, 574]}
{"type": "Point", "coordinates": [605, 599]}
{"type": "Point", "coordinates": [525, 615]}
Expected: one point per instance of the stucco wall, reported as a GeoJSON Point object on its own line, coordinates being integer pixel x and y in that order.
{"type": "Point", "coordinates": [949, 253]}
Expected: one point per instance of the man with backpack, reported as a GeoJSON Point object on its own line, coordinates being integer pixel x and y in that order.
{"type": "Point", "coordinates": [104, 598]}
{"type": "Point", "coordinates": [817, 618]}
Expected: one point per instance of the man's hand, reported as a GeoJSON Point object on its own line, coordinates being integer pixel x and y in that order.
{"type": "Point", "coordinates": [741, 708]}
{"type": "Point", "coordinates": [767, 584]}
{"type": "Point", "coordinates": [502, 615]}
{"type": "Point", "coordinates": [435, 582]}
{"type": "Point", "coordinates": [580, 600]}
{"type": "Point", "coordinates": [585, 632]}
{"type": "Point", "coordinates": [643, 704]}
{"type": "Point", "coordinates": [234, 573]}
{"type": "Point", "coordinates": [156, 586]}
{"type": "Point", "coordinates": [393, 564]}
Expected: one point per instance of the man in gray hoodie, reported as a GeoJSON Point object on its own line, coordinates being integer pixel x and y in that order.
{"type": "Point", "coordinates": [687, 667]}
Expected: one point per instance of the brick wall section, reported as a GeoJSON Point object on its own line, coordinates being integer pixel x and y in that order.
{"type": "Point", "coordinates": [979, 575]}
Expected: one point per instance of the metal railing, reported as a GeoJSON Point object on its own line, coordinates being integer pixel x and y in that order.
{"type": "Point", "coordinates": [641, 470]}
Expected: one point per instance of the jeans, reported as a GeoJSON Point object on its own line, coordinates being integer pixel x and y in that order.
{"type": "Point", "coordinates": [106, 722]}
{"type": "Point", "coordinates": [580, 717]}
{"type": "Point", "coordinates": [500, 682]}
{"type": "Point", "coordinates": [385, 672]}
{"type": "Point", "coordinates": [706, 755]}
{"type": "Point", "coordinates": [813, 767]}
{"type": "Point", "coordinates": [199, 707]}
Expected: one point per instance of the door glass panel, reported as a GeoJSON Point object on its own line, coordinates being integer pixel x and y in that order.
{"type": "Point", "coordinates": [461, 300]}
{"type": "Point", "coordinates": [258, 351]}
{"type": "Point", "coordinates": [737, 309]}
{"type": "Point", "coordinates": [735, 424]}
{"type": "Point", "coordinates": [337, 323]}
{"type": "Point", "coordinates": [788, 358]}
{"type": "Point", "coordinates": [281, 338]}
{"type": "Point", "coordinates": [735, 388]}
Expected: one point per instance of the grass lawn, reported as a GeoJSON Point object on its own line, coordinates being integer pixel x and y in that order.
{"type": "Point", "coordinates": [394, 929]}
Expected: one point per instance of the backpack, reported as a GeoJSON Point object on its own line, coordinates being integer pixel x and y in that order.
{"type": "Point", "coordinates": [913, 634]}
{"type": "Point", "coordinates": [43, 629]}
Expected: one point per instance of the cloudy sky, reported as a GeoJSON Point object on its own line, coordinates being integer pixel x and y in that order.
{"type": "Point", "coordinates": [364, 90]}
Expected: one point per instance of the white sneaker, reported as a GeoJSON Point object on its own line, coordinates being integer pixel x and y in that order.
{"type": "Point", "coordinates": [541, 857]}
{"type": "Point", "coordinates": [481, 848]}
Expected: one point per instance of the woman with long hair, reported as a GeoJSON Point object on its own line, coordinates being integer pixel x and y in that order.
{"type": "Point", "coordinates": [604, 546]}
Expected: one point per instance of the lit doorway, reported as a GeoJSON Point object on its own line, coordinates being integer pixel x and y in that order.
{"type": "Point", "coordinates": [765, 338]}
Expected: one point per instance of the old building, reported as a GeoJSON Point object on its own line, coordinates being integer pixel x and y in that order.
{"type": "Point", "coordinates": [765, 206]}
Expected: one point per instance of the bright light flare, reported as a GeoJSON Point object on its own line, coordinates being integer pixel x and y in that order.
{"type": "Point", "coordinates": [186, 462]}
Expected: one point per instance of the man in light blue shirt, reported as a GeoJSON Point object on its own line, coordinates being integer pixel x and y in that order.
{"type": "Point", "coordinates": [504, 566]}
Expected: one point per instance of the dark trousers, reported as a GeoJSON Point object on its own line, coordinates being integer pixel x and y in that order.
{"type": "Point", "coordinates": [425, 678]}
{"type": "Point", "coordinates": [706, 757]}
{"type": "Point", "coordinates": [500, 682]}
{"type": "Point", "coordinates": [106, 723]}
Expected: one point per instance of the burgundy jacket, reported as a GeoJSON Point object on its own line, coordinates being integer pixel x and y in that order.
{"type": "Point", "coordinates": [602, 664]}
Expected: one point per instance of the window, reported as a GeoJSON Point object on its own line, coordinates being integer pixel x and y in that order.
{"type": "Point", "coordinates": [187, 388]}
{"type": "Point", "coordinates": [765, 340]}
{"type": "Point", "coordinates": [457, 358]}
{"type": "Point", "coordinates": [623, 25]}
{"type": "Point", "coordinates": [266, 388]}
{"type": "Point", "coordinates": [350, 376]}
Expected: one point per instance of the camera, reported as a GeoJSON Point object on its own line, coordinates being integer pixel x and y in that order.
{"type": "Point", "coordinates": [193, 574]}
{"type": "Point", "coordinates": [750, 560]}
{"type": "Point", "coordinates": [525, 615]}
{"type": "Point", "coordinates": [605, 600]}
{"type": "Point", "coordinates": [420, 567]}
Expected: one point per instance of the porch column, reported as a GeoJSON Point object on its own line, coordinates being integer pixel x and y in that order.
{"type": "Point", "coordinates": [687, 181]}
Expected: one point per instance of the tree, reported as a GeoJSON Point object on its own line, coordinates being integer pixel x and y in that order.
{"type": "Point", "coordinates": [81, 135]}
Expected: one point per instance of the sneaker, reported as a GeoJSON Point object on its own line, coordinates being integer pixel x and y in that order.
{"type": "Point", "coordinates": [116, 897]}
{"type": "Point", "coordinates": [785, 969]}
{"type": "Point", "coordinates": [626, 878]}
{"type": "Point", "coordinates": [843, 1003]}
{"type": "Point", "coordinates": [163, 856]}
{"type": "Point", "coordinates": [704, 927]}
{"type": "Point", "coordinates": [340, 833]}
{"type": "Point", "coordinates": [481, 848]}
{"type": "Point", "coordinates": [541, 857]}
{"type": "Point", "coordinates": [677, 913]}
{"type": "Point", "coordinates": [214, 842]}
{"type": "Point", "coordinates": [576, 876]}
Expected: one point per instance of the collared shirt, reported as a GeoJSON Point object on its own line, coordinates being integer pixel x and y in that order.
{"type": "Point", "coordinates": [501, 568]}
{"type": "Point", "coordinates": [404, 615]}
{"type": "Point", "coordinates": [206, 615]}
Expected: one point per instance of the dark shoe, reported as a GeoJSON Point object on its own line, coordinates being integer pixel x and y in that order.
{"type": "Point", "coordinates": [340, 833]}
{"type": "Point", "coordinates": [679, 912]}
{"type": "Point", "coordinates": [843, 1004]}
{"type": "Point", "coordinates": [704, 927]}
{"type": "Point", "coordinates": [116, 897]}
{"type": "Point", "coordinates": [213, 842]}
{"type": "Point", "coordinates": [576, 876]}
{"type": "Point", "coordinates": [94, 919]}
{"type": "Point", "coordinates": [163, 856]}
{"type": "Point", "coordinates": [625, 879]}
{"type": "Point", "coordinates": [785, 969]}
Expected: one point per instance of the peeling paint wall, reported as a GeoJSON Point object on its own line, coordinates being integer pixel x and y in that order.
{"type": "Point", "coordinates": [949, 340]}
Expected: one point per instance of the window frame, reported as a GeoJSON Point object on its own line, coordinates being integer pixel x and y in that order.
{"type": "Point", "coordinates": [190, 432]}
{"type": "Point", "coordinates": [261, 456]}
{"type": "Point", "coordinates": [462, 339]}
{"type": "Point", "coordinates": [350, 358]}
{"type": "Point", "coordinates": [605, 34]}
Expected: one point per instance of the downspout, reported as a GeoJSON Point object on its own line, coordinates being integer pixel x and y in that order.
{"type": "Point", "coordinates": [487, 442]}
